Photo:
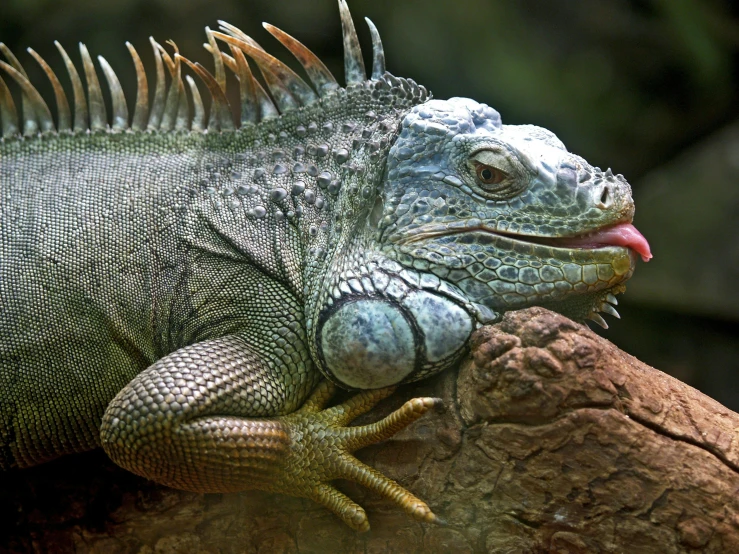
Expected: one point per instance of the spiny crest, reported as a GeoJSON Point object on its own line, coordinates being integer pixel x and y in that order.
{"type": "Point", "coordinates": [170, 109]}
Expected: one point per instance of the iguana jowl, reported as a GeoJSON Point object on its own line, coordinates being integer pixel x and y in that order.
{"type": "Point", "coordinates": [173, 289]}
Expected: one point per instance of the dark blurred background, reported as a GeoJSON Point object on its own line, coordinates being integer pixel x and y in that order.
{"type": "Point", "coordinates": [647, 87]}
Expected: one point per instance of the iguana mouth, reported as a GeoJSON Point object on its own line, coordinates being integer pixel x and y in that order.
{"type": "Point", "coordinates": [620, 234]}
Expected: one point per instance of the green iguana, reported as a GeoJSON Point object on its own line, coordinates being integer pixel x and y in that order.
{"type": "Point", "coordinates": [173, 287]}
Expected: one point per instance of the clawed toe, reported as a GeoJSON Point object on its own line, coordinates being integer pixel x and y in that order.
{"type": "Point", "coordinates": [344, 507]}
{"type": "Point", "coordinates": [323, 453]}
{"type": "Point", "coordinates": [361, 436]}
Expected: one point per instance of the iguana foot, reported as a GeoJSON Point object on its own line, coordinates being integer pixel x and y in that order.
{"type": "Point", "coordinates": [321, 446]}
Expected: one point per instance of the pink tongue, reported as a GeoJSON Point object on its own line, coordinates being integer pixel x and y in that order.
{"type": "Point", "coordinates": [622, 234]}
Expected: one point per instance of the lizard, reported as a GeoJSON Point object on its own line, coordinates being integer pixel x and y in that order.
{"type": "Point", "coordinates": [188, 290]}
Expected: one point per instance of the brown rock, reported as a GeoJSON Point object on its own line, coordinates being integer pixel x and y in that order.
{"type": "Point", "coordinates": [552, 440]}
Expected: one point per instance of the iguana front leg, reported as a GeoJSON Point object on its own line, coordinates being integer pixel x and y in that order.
{"type": "Point", "coordinates": [205, 419]}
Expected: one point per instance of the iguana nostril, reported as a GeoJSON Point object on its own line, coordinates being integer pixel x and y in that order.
{"type": "Point", "coordinates": [605, 197]}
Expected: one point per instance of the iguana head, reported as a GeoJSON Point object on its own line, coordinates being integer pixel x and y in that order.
{"type": "Point", "coordinates": [505, 212]}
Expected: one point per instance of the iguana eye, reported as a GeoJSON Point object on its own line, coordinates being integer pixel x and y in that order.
{"type": "Point", "coordinates": [489, 175]}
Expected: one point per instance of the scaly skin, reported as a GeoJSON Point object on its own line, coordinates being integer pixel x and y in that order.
{"type": "Point", "coordinates": [175, 296]}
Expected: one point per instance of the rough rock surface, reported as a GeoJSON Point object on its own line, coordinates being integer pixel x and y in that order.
{"type": "Point", "coordinates": [552, 440]}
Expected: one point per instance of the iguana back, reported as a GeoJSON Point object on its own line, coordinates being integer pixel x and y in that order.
{"type": "Point", "coordinates": [89, 261]}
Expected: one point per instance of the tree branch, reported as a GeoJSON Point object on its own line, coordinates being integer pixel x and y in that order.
{"type": "Point", "coordinates": [552, 440]}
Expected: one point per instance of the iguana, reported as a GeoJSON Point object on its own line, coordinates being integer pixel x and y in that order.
{"type": "Point", "coordinates": [184, 291]}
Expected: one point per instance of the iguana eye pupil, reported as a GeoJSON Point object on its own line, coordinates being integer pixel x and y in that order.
{"type": "Point", "coordinates": [490, 175]}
